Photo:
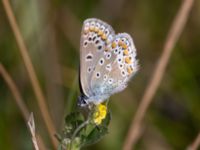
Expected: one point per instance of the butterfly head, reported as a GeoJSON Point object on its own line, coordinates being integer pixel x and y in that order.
{"type": "Point", "coordinates": [82, 101]}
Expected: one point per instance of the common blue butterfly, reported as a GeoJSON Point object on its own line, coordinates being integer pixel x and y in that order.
{"type": "Point", "coordinates": [107, 61]}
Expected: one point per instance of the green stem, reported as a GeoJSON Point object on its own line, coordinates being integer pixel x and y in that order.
{"type": "Point", "coordinates": [79, 128]}
{"type": "Point", "coordinates": [72, 146]}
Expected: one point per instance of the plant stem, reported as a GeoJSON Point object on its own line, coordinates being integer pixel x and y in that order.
{"type": "Point", "coordinates": [31, 73]}
{"type": "Point", "coordinates": [72, 145]}
{"type": "Point", "coordinates": [79, 128]}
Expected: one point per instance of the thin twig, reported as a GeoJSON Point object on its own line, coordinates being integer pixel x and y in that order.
{"type": "Point", "coordinates": [173, 36]}
{"type": "Point", "coordinates": [31, 124]}
{"type": "Point", "coordinates": [19, 101]}
{"type": "Point", "coordinates": [31, 72]}
{"type": "Point", "coordinates": [195, 144]}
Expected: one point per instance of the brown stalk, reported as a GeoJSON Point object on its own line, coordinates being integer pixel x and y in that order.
{"type": "Point", "coordinates": [195, 144]}
{"type": "Point", "coordinates": [19, 101]}
{"type": "Point", "coordinates": [173, 36]}
{"type": "Point", "coordinates": [31, 125]}
{"type": "Point", "coordinates": [15, 92]}
{"type": "Point", "coordinates": [31, 72]}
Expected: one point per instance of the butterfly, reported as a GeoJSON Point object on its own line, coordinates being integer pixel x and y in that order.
{"type": "Point", "coordinates": [107, 62]}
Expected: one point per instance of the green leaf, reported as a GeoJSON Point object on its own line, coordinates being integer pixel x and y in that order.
{"type": "Point", "coordinates": [72, 121]}
{"type": "Point", "coordinates": [74, 116]}
{"type": "Point", "coordinates": [95, 135]}
{"type": "Point", "coordinates": [60, 147]}
{"type": "Point", "coordinates": [96, 132]}
{"type": "Point", "coordinates": [106, 121]}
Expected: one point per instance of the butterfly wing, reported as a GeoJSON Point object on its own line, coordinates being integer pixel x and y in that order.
{"type": "Point", "coordinates": [124, 65]}
{"type": "Point", "coordinates": [118, 68]}
{"type": "Point", "coordinates": [94, 37]}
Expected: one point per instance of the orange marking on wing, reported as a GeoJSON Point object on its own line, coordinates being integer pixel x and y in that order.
{"type": "Point", "coordinates": [114, 45]}
{"type": "Point", "coordinates": [126, 52]}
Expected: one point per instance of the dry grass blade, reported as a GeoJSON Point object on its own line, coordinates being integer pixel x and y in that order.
{"type": "Point", "coordinates": [31, 125]}
{"type": "Point", "coordinates": [195, 144]}
{"type": "Point", "coordinates": [15, 92]}
{"type": "Point", "coordinates": [18, 98]}
{"type": "Point", "coordinates": [173, 35]}
{"type": "Point", "coordinates": [31, 72]}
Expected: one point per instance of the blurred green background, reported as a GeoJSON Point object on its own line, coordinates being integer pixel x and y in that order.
{"type": "Point", "coordinates": [51, 30]}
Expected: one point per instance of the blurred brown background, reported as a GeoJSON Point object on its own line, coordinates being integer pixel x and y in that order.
{"type": "Point", "coordinates": [51, 31]}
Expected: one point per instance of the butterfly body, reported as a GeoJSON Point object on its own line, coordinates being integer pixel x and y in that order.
{"type": "Point", "coordinates": [107, 61]}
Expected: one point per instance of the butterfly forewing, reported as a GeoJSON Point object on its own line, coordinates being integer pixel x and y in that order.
{"type": "Point", "coordinates": [94, 38]}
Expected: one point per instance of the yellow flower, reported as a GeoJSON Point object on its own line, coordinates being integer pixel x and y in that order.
{"type": "Point", "coordinates": [99, 114]}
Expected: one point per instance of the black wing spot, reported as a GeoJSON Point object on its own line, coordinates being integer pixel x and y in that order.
{"type": "Point", "coordinates": [89, 57]}
{"type": "Point", "coordinates": [85, 43]}
{"type": "Point", "coordinates": [94, 38]}
{"type": "Point", "coordinates": [99, 47]}
{"type": "Point", "coordinates": [98, 74]}
{"type": "Point", "coordinates": [97, 41]}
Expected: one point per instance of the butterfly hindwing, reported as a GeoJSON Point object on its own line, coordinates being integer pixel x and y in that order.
{"type": "Point", "coordinates": [119, 68]}
{"type": "Point", "coordinates": [125, 64]}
